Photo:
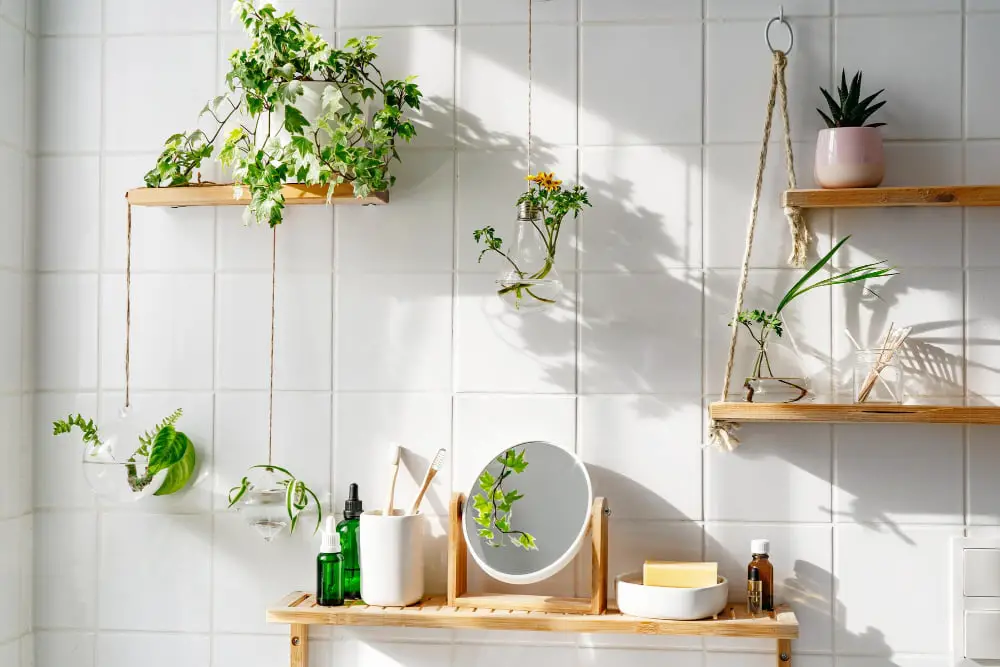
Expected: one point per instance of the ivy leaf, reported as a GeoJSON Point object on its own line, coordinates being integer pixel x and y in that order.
{"type": "Point", "coordinates": [302, 145]}
{"type": "Point", "coordinates": [486, 533]}
{"type": "Point", "coordinates": [481, 502]}
{"type": "Point", "coordinates": [483, 520]}
{"type": "Point", "coordinates": [486, 480]}
{"type": "Point", "coordinates": [503, 525]}
{"type": "Point", "coordinates": [527, 542]}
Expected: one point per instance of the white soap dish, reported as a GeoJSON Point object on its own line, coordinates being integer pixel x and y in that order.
{"type": "Point", "coordinates": [669, 604]}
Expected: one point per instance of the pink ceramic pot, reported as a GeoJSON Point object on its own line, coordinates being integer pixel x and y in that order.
{"type": "Point", "coordinates": [849, 157]}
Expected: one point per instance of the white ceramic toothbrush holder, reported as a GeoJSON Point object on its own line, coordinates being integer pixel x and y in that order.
{"type": "Point", "coordinates": [392, 558]}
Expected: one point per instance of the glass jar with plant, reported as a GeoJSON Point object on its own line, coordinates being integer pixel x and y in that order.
{"type": "Point", "coordinates": [118, 470]}
{"type": "Point", "coordinates": [272, 498]}
{"type": "Point", "coordinates": [849, 151]}
{"type": "Point", "coordinates": [270, 138]}
{"type": "Point", "coordinates": [529, 281]}
{"type": "Point", "coordinates": [761, 324]}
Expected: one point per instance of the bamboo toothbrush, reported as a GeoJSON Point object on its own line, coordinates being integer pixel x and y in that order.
{"type": "Point", "coordinates": [436, 465]}
{"type": "Point", "coordinates": [394, 462]}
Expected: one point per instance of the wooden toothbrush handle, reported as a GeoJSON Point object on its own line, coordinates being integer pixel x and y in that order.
{"type": "Point", "coordinates": [392, 490]}
{"type": "Point", "coordinates": [423, 489]}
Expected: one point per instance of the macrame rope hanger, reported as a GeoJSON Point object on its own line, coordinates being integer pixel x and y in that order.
{"type": "Point", "coordinates": [721, 433]}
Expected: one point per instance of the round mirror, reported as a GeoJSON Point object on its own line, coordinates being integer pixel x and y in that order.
{"type": "Point", "coordinates": [527, 512]}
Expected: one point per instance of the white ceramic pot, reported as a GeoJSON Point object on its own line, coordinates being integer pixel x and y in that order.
{"type": "Point", "coordinates": [672, 604]}
{"type": "Point", "coordinates": [392, 558]}
{"type": "Point", "coordinates": [849, 157]}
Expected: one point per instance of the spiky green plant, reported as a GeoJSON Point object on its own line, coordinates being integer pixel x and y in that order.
{"type": "Point", "coordinates": [851, 110]}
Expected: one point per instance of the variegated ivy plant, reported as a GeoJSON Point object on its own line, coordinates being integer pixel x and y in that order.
{"type": "Point", "coordinates": [265, 137]}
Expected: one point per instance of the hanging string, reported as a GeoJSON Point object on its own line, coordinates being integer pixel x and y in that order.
{"type": "Point", "coordinates": [529, 83]}
{"type": "Point", "coordinates": [128, 306]}
{"type": "Point", "coordinates": [270, 381]}
{"type": "Point", "coordinates": [722, 434]}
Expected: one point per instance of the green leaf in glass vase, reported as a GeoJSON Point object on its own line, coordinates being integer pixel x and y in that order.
{"type": "Point", "coordinates": [168, 448]}
{"type": "Point", "coordinates": [180, 472]}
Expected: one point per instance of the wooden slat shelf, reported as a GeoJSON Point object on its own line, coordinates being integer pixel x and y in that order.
{"type": "Point", "coordinates": [222, 195]}
{"type": "Point", "coordinates": [872, 413]}
{"type": "Point", "coordinates": [934, 195]}
{"type": "Point", "coordinates": [301, 609]}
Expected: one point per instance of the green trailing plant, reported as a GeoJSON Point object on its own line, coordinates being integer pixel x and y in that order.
{"type": "Point", "coordinates": [161, 448]}
{"type": "Point", "coordinates": [297, 495]}
{"type": "Point", "coordinates": [262, 134]}
{"type": "Point", "coordinates": [850, 110]}
{"type": "Point", "coordinates": [495, 507]}
{"type": "Point", "coordinates": [760, 324]}
{"type": "Point", "coordinates": [552, 204]}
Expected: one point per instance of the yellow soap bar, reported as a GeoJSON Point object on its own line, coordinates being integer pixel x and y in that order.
{"type": "Point", "coordinates": [679, 575]}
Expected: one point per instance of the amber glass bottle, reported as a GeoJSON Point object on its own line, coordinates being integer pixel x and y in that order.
{"type": "Point", "coordinates": [762, 562]}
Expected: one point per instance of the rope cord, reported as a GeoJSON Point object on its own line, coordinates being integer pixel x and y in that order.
{"type": "Point", "coordinates": [722, 434]}
{"type": "Point", "coordinates": [128, 307]}
{"type": "Point", "coordinates": [530, 2]}
{"type": "Point", "coordinates": [270, 381]}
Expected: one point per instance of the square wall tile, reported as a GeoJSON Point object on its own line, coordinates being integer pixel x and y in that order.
{"type": "Point", "coordinates": [869, 598]}
{"type": "Point", "coordinates": [148, 98]}
{"type": "Point", "coordinates": [301, 438]}
{"type": "Point", "coordinates": [65, 588]}
{"type": "Point", "coordinates": [11, 332]}
{"type": "Point", "coordinates": [12, 78]}
{"type": "Point", "coordinates": [10, 580]}
{"type": "Point", "coordinates": [69, 224]}
{"type": "Point", "coordinates": [239, 555]}
{"type": "Point", "coordinates": [847, 7]}
{"type": "Point", "coordinates": [55, 649]}
{"type": "Point", "coordinates": [179, 16]}
{"type": "Point", "coordinates": [153, 650]}
{"type": "Point", "coordinates": [983, 323]}
{"type": "Point", "coordinates": [795, 461]}
{"type": "Point", "coordinates": [67, 329]}
{"type": "Point", "coordinates": [922, 74]}
{"type": "Point", "coordinates": [741, 9]}
{"type": "Point", "coordinates": [14, 221]}
{"type": "Point", "coordinates": [499, 350]}
{"type": "Point", "coordinates": [415, 232]}
{"type": "Point", "coordinates": [489, 184]}
{"type": "Point", "coordinates": [652, 114]}
{"type": "Point", "coordinates": [59, 481]}
{"type": "Point", "coordinates": [640, 10]}
{"type": "Point", "coordinates": [428, 53]}
{"type": "Point", "coordinates": [171, 331]}
{"type": "Point", "coordinates": [870, 491]}
{"type": "Point", "coordinates": [628, 343]}
{"type": "Point", "coordinates": [802, 559]}
{"type": "Point", "coordinates": [304, 244]}
{"type": "Point", "coordinates": [931, 302]}
{"type": "Point", "coordinates": [69, 17]}
{"type": "Point", "coordinates": [803, 351]}
{"type": "Point", "coordinates": [982, 91]}
{"type": "Point", "coordinates": [387, 654]}
{"type": "Point", "coordinates": [914, 237]}
{"type": "Point", "coordinates": [610, 657]}
{"type": "Point", "coordinates": [493, 86]}
{"type": "Point", "coordinates": [368, 427]}
{"type": "Point", "coordinates": [984, 494]}
{"type": "Point", "coordinates": [737, 87]}
{"type": "Point", "coordinates": [982, 231]}
{"type": "Point", "coordinates": [393, 332]}
{"type": "Point", "coordinates": [484, 427]}
{"type": "Point", "coordinates": [477, 11]}
{"type": "Point", "coordinates": [258, 651]}
{"type": "Point", "coordinates": [646, 211]}
{"type": "Point", "coordinates": [394, 12]}
{"type": "Point", "coordinates": [644, 454]}
{"type": "Point", "coordinates": [141, 548]}
{"type": "Point", "coordinates": [728, 184]}
{"type": "Point", "coordinates": [168, 240]}
{"type": "Point", "coordinates": [15, 446]}
{"type": "Point", "coordinates": [71, 69]}
{"type": "Point", "coordinates": [499, 655]}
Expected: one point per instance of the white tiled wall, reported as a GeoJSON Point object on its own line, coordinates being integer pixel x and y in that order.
{"type": "Point", "coordinates": [18, 154]}
{"type": "Point", "coordinates": [388, 332]}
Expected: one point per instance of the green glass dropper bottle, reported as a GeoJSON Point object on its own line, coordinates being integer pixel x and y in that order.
{"type": "Point", "coordinates": [348, 531]}
{"type": "Point", "coordinates": [330, 568]}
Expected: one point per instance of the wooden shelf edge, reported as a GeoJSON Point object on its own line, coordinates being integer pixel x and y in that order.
{"type": "Point", "coordinates": [301, 609]}
{"type": "Point", "coordinates": [933, 195]}
{"type": "Point", "coordinates": [826, 413]}
{"type": "Point", "coordinates": [222, 195]}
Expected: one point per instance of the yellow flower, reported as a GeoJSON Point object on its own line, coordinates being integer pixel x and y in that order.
{"type": "Point", "coordinates": [535, 178]}
{"type": "Point", "coordinates": [544, 180]}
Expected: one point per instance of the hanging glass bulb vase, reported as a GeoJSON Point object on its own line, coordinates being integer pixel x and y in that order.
{"type": "Point", "coordinates": [263, 502]}
{"type": "Point", "coordinates": [530, 282]}
{"type": "Point", "coordinates": [116, 468]}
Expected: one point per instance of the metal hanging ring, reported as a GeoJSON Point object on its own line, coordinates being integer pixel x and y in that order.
{"type": "Point", "coordinates": [788, 26]}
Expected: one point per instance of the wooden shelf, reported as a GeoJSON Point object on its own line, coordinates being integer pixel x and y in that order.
{"type": "Point", "coordinates": [935, 195]}
{"type": "Point", "coordinates": [222, 195]}
{"type": "Point", "coordinates": [873, 413]}
{"type": "Point", "coordinates": [301, 609]}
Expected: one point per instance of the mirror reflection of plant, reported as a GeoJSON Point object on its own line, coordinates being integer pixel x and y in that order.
{"type": "Point", "coordinates": [339, 146]}
{"type": "Point", "coordinates": [162, 448]}
{"type": "Point", "coordinates": [297, 495]}
{"type": "Point", "coordinates": [546, 196]}
{"type": "Point", "coordinates": [495, 508]}
{"type": "Point", "coordinates": [759, 324]}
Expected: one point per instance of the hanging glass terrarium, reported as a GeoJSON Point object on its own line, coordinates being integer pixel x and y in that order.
{"type": "Point", "coordinates": [531, 282]}
{"type": "Point", "coordinates": [271, 499]}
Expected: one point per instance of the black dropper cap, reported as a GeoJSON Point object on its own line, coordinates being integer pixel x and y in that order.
{"type": "Point", "coordinates": [353, 506]}
{"type": "Point", "coordinates": [754, 574]}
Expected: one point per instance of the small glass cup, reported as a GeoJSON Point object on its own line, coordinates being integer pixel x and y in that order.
{"type": "Point", "coordinates": [878, 377]}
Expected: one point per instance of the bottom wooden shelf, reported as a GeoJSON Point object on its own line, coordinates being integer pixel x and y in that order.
{"type": "Point", "coordinates": [830, 413]}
